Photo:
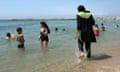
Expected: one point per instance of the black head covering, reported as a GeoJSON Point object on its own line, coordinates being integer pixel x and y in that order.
{"type": "Point", "coordinates": [81, 8]}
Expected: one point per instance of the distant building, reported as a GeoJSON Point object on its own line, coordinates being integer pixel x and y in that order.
{"type": "Point", "coordinates": [118, 18]}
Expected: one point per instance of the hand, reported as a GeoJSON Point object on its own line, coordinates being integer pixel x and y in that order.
{"type": "Point", "coordinates": [76, 35]}
{"type": "Point", "coordinates": [39, 37]}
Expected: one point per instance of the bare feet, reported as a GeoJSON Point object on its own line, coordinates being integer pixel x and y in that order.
{"type": "Point", "coordinates": [81, 55]}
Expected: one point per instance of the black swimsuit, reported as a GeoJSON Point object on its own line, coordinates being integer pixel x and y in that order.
{"type": "Point", "coordinates": [43, 37]}
{"type": "Point", "coordinates": [21, 46]}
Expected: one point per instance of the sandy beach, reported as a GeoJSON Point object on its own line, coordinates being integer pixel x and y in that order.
{"type": "Point", "coordinates": [106, 61]}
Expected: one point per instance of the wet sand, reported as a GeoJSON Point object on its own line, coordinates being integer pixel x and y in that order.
{"type": "Point", "coordinates": [105, 61]}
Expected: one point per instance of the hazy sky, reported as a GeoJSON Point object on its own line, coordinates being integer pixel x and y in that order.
{"type": "Point", "coordinates": [56, 8]}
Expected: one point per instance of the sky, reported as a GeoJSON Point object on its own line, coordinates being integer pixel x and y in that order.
{"type": "Point", "coordinates": [10, 9]}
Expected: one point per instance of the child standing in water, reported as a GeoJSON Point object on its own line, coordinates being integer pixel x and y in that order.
{"type": "Point", "coordinates": [102, 27]}
{"type": "Point", "coordinates": [96, 30]}
{"type": "Point", "coordinates": [44, 31]}
{"type": "Point", "coordinates": [20, 38]}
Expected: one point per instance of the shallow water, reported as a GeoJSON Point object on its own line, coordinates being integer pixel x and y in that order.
{"type": "Point", "coordinates": [62, 45]}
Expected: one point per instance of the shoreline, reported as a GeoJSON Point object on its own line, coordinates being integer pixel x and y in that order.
{"type": "Point", "coordinates": [108, 61]}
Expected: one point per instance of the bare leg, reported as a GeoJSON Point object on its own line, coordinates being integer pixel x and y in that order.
{"type": "Point", "coordinates": [45, 44]}
{"type": "Point", "coordinates": [41, 44]}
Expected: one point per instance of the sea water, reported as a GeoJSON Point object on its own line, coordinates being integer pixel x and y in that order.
{"type": "Point", "coordinates": [62, 44]}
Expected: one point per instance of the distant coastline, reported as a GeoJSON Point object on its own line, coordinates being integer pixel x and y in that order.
{"type": "Point", "coordinates": [27, 19]}
{"type": "Point", "coordinates": [97, 18]}
{"type": "Point", "coordinates": [30, 19]}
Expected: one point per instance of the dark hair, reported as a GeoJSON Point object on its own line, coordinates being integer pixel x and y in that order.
{"type": "Point", "coordinates": [56, 29]}
{"type": "Point", "coordinates": [96, 25]}
{"type": "Point", "coordinates": [45, 25]}
{"type": "Point", "coordinates": [102, 24]}
{"type": "Point", "coordinates": [19, 30]}
{"type": "Point", "coordinates": [81, 8]}
{"type": "Point", "coordinates": [8, 34]}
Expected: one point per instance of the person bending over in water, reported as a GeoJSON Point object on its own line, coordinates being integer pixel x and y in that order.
{"type": "Point", "coordinates": [44, 31]}
{"type": "Point", "coordinates": [10, 36]}
{"type": "Point", "coordinates": [20, 38]}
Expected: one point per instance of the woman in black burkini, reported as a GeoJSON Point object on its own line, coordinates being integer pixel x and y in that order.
{"type": "Point", "coordinates": [84, 32]}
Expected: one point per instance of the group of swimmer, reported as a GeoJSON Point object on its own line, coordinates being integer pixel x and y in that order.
{"type": "Point", "coordinates": [101, 28]}
{"type": "Point", "coordinates": [44, 31]}
{"type": "Point", "coordinates": [56, 29]}
{"type": "Point", "coordinates": [19, 37]}
{"type": "Point", "coordinates": [96, 29]}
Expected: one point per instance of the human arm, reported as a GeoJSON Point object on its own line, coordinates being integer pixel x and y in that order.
{"type": "Point", "coordinates": [78, 28]}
